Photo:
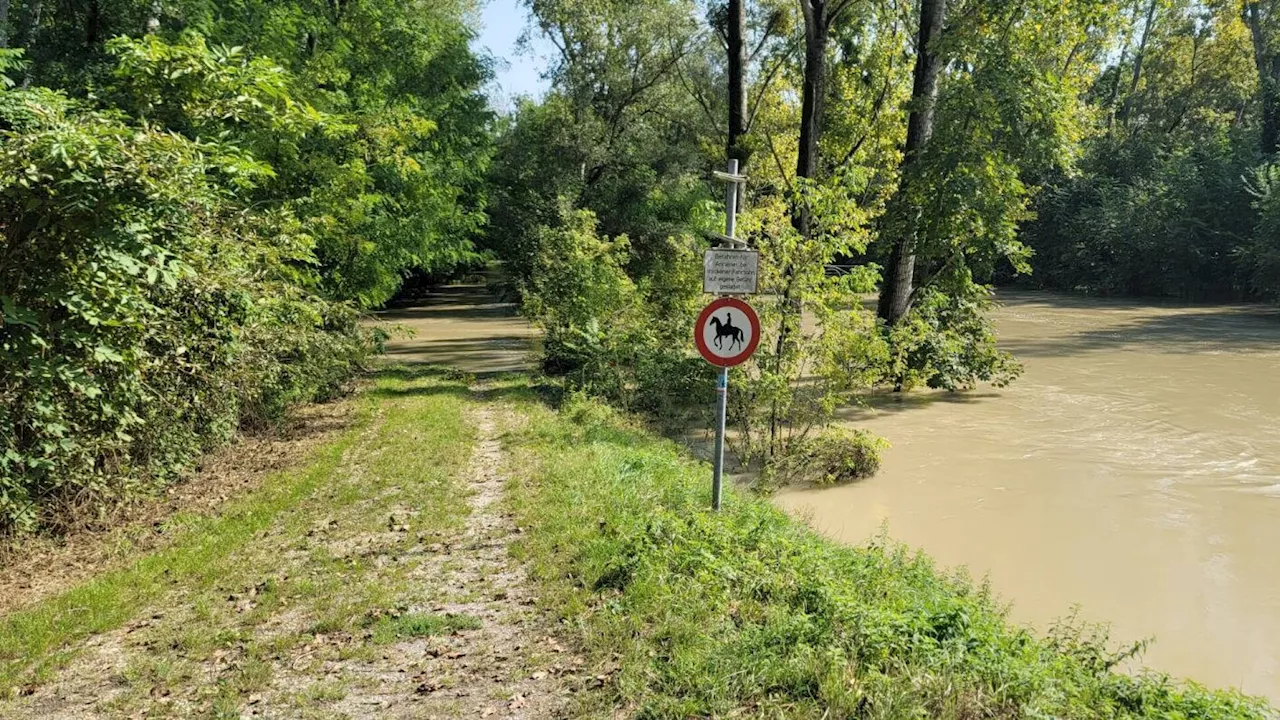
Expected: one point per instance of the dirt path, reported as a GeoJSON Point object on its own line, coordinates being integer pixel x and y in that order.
{"type": "Point", "coordinates": [511, 667]}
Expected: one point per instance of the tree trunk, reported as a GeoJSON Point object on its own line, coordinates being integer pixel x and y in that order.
{"type": "Point", "coordinates": [4, 23]}
{"type": "Point", "coordinates": [29, 41]}
{"type": "Point", "coordinates": [813, 93]}
{"type": "Point", "coordinates": [737, 81]}
{"type": "Point", "coordinates": [737, 45]}
{"type": "Point", "coordinates": [1268, 62]}
{"type": "Point", "coordinates": [93, 24]}
{"type": "Point", "coordinates": [1114, 96]}
{"type": "Point", "coordinates": [1270, 96]}
{"type": "Point", "coordinates": [1137, 64]}
{"type": "Point", "coordinates": [896, 292]}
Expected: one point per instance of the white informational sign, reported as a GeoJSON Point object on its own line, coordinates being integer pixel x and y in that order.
{"type": "Point", "coordinates": [730, 272]}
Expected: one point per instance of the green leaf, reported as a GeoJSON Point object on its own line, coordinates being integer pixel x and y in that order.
{"type": "Point", "coordinates": [102, 353]}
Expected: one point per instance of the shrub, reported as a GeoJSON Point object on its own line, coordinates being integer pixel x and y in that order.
{"type": "Point", "coordinates": [609, 337]}
{"type": "Point", "coordinates": [947, 341]}
{"type": "Point", "coordinates": [1261, 254]}
{"type": "Point", "coordinates": [835, 456]}
{"type": "Point", "coordinates": [144, 313]}
{"type": "Point", "coordinates": [820, 347]}
{"type": "Point", "coordinates": [578, 277]}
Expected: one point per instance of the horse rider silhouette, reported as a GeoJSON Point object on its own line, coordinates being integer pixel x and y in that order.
{"type": "Point", "coordinates": [726, 330]}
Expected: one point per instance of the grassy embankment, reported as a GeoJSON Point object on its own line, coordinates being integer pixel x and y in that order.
{"type": "Point", "coordinates": [680, 612]}
{"type": "Point", "coordinates": [748, 612]}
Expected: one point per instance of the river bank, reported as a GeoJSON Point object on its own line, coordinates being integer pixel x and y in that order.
{"type": "Point", "coordinates": [1134, 470]}
{"type": "Point", "coordinates": [748, 613]}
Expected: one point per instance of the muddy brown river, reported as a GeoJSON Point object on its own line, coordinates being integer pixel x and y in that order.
{"type": "Point", "coordinates": [1134, 470]}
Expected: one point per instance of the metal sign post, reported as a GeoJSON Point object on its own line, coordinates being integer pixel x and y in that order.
{"type": "Point", "coordinates": [717, 467]}
{"type": "Point", "coordinates": [725, 282]}
{"type": "Point", "coordinates": [726, 334]}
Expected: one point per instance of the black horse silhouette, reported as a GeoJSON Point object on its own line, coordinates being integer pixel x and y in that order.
{"type": "Point", "coordinates": [726, 330]}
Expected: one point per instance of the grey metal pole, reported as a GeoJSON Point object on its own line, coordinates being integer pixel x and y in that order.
{"type": "Point", "coordinates": [722, 380]}
{"type": "Point", "coordinates": [731, 202]}
{"type": "Point", "coordinates": [722, 401]}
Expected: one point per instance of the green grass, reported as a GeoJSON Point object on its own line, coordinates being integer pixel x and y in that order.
{"type": "Point", "coordinates": [313, 550]}
{"type": "Point", "coordinates": [748, 613]}
{"type": "Point", "coordinates": [418, 625]}
{"type": "Point", "coordinates": [30, 639]}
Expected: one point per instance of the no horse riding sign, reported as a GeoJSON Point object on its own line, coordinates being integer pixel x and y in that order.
{"type": "Point", "coordinates": [727, 332]}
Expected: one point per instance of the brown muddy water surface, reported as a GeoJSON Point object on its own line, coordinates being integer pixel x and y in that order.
{"type": "Point", "coordinates": [1133, 470]}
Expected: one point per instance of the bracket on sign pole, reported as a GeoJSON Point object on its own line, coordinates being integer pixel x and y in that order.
{"type": "Point", "coordinates": [731, 176]}
{"type": "Point", "coordinates": [730, 203]}
{"type": "Point", "coordinates": [732, 242]}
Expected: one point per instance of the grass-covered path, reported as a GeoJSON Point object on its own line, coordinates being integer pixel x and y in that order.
{"type": "Point", "coordinates": [373, 580]}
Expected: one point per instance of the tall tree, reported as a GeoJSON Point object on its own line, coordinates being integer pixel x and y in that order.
{"type": "Point", "coordinates": [895, 294]}
{"type": "Point", "coordinates": [819, 15]}
{"type": "Point", "coordinates": [37, 11]}
{"type": "Point", "coordinates": [737, 50]}
{"type": "Point", "coordinates": [4, 23]}
{"type": "Point", "coordinates": [1136, 77]}
{"type": "Point", "coordinates": [1261, 18]}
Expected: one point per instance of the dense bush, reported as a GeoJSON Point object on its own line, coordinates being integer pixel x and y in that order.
{"type": "Point", "coordinates": [144, 313]}
{"type": "Point", "coordinates": [947, 341]}
{"type": "Point", "coordinates": [189, 227]}
{"type": "Point", "coordinates": [1259, 256]}
{"type": "Point", "coordinates": [836, 456]}
{"type": "Point", "coordinates": [391, 185]}
{"type": "Point", "coordinates": [609, 335]}
{"type": "Point", "coordinates": [1154, 216]}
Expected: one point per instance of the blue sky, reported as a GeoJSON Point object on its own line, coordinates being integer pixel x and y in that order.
{"type": "Point", "coordinates": [518, 73]}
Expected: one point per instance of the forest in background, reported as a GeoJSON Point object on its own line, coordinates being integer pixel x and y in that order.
{"type": "Point", "coordinates": [1173, 188]}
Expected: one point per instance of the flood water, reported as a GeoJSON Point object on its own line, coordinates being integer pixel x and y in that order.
{"type": "Point", "coordinates": [1133, 470]}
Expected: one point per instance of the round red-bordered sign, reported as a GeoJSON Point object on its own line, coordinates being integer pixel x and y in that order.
{"type": "Point", "coordinates": [727, 332]}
